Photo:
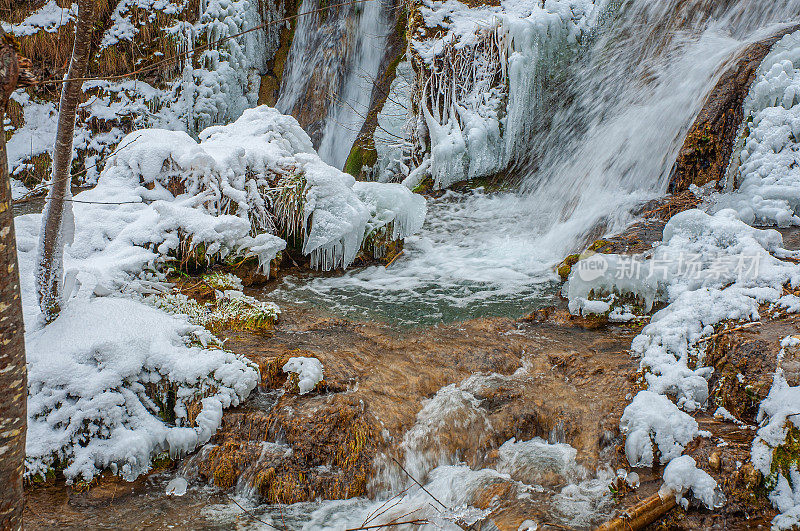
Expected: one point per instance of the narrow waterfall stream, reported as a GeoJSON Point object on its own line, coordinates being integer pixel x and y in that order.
{"type": "Point", "coordinates": [332, 66]}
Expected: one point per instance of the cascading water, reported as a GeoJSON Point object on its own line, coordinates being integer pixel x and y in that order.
{"type": "Point", "coordinates": [617, 125]}
{"type": "Point", "coordinates": [629, 103]}
{"type": "Point", "coordinates": [331, 70]}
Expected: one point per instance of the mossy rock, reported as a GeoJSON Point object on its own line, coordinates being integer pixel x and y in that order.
{"type": "Point", "coordinates": [786, 457]}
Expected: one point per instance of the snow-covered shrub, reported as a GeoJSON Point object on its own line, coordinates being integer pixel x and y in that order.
{"type": "Point", "coordinates": [478, 80]}
{"type": "Point", "coordinates": [112, 382]}
{"type": "Point", "coordinates": [263, 171]}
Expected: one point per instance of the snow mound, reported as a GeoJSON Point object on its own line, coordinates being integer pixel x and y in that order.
{"type": "Point", "coordinates": [308, 370]}
{"type": "Point", "coordinates": [682, 475]}
{"type": "Point", "coordinates": [112, 382]}
{"type": "Point", "coordinates": [654, 418]}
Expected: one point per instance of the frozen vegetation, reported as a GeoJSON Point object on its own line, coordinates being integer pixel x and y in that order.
{"type": "Point", "coordinates": [478, 81]}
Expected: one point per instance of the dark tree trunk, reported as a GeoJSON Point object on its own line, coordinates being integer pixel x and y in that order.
{"type": "Point", "coordinates": [13, 377]}
{"type": "Point", "coordinates": [58, 222]}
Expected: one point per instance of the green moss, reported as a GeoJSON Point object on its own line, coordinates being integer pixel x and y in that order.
{"type": "Point", "coordinates": [565, 267]}
{"type": "Point", "coordinates": [785, 458]}
{"type": "Point", "coordinates": [360, 156]}
{"type": "Point", "coordinates": [426, 185]}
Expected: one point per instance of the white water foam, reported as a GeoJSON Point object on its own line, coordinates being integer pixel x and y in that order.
{"type": "Point", "coordinates": [477, 254]}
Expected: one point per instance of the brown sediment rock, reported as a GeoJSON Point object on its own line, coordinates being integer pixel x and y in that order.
{"type": "Point", "coordinates": [709, 143]}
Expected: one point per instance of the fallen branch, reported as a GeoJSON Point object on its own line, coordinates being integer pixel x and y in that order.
{"type": "Point", "coordinates": [729, 330]}
{"type": "Point", "coordinates": [398, 255]}
{"type": "Point", "coordinates": [378, 526]}
{"type": "Point", "coordinates": [641, 515]}
{"type": "Point", "coordinates": [418, 483]}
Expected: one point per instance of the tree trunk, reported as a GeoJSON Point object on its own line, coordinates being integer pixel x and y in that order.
{"type": "Point", "coordinates": [13, 378]}
{"type": "Point", "coordinates": [58, 224]}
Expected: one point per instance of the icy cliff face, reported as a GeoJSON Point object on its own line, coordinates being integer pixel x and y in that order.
{"type": "Point", "coordinates": [479, 74]}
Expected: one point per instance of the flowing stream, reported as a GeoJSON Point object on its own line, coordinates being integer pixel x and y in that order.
{"type": "Point", "coordinates": [632, 97]}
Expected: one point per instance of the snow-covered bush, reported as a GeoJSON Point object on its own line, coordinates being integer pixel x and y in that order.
{"type": "Point", "coordinates": [112, 382]}
{"type": "Point", "coordinates": [263, 170]}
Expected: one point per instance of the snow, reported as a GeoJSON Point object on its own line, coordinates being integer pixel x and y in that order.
{"type": "Point", "coordinates": [50, 17]}
{"type": "Point", "coordinates": [708, 269]}
{"type": "Point", "coordinates": [237, 167]}
{"type": "Point", "coordinates": [682, 475]}
{"type": "Point", "coordinates": [764, 168]}
{"type": "Point", "coordinates": [308, 370]}
{"type": "Point", "coordinates": [176, 487]}
{"type": "Point", "coordinates": [37, 134]}
{"type": "Point", "coordinates": [94, 376]}
{"type": "Point", "coordinates": [102, 375]}
{"type": "Point", "coordinates": [776, 414]}
{"type": "Point", "coordinates": [652, 417]}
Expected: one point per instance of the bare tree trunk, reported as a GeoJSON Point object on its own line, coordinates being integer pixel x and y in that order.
{"type": "Point", "coordinates": [13, 377]}
{"type": "Point", "coordinates": [58, 223]}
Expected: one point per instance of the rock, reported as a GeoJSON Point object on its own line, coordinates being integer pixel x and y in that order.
{"type": "Point", "coordinates": [708, 146]}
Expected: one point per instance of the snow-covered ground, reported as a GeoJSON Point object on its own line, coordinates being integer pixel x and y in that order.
{"type": "Point", "coordinates": [711, 269]}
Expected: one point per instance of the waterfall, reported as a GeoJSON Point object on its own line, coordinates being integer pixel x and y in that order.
{"type": "Point", "coordinates": [633, 98]}
{"type": "Point", "coordinates": [332, 66]}
{"type": "Point", "coordinates": [617, 122]}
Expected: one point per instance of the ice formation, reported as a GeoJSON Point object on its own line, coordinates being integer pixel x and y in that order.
{"type": "Point", "coordinates": [241, 170]}
{"type": "Point", "coordinates": [777, 415]}
{"type": "Point", "coordinates": [309, 372]}
{"type": "Point", "coordinates": [654, 418]}
{"type": "Point", "coordinates": [765, 169]}
{"type": "Point", "coordinates": [710, 269]}
{"type": "Point", "coordinates": [478, 80]}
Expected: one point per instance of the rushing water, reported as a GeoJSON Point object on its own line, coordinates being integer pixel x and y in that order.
{"type": "Point", "coordinates": [477, 255]}
{"type": "Point", "coordinates": [611, 146]}
{"type": "Point", "coordinates": [332, 66]}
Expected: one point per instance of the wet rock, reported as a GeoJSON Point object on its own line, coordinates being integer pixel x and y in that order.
{"type": "Point", "coordinates": [708, 146]}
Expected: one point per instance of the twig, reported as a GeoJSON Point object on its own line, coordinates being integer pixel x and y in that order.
{"type": "Point", "coordinates": [378, 526]}
{"type": "Point", "coordinates": [418, 483]}
{"type": "Point", "coordinates": [729, 330]}
{"type": "Point", "coordinates": [251, 515]}
{"type": "Point", "coordinates": [398, 255]}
